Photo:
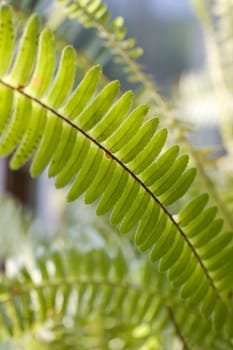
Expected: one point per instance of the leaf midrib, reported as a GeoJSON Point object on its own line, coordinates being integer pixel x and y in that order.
{"type": "Point", "coordinates": [140, 182]}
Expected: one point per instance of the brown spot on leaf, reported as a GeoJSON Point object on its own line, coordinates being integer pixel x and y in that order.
{"type": "Point", "coordinates": [107, 155]}
{"type": "Point", "coordinates": [20, 86]}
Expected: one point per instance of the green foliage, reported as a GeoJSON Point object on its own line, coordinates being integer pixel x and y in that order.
{"type": "Point", "coordinates": [80, 289]}
{"type": "Point", "coordinates": [116, 157]}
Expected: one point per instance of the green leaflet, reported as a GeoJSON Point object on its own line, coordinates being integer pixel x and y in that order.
{"type": "Point", "coordinates": [16, 307]}
{"type": "Point", "coordinates": [128, 129]}
{"type": "Point", "coordinates": [150, 152]}
{"type": "Point", "coordinates": [63, 80]}
{"type": "Point", "coordinates": [155, 233]}
{"type": "Point", "coordinates": [63, 151]}
{"type": "Point", "coordinates": [5, 317]}
{"type": "Point", "coordinates": [193, 209]}
{"type": "Point", "coordinates": [190, 286]}
{"type": "Point", "coordinates": [204, 236]}
{"type": "Point", "coordinates": [24, 61]}
{"type": "Point", "coordinates": [183, 270]}
{"type": "Point", "coordinates": [77, 158]}
{"type": "Point", "coordinates": [224, 271]}
{"type": "Point", "coordinates": [120, 267]}
{"type": "Point", "coordinates": [48, 144]}
{"type": "Point", "coordinates": [203, 220]}
{"type": "Point", "coordinates": [178, 268]}
{"type": "Point", "coordinates": [172, 255]}
{"type": "Point", "coordinates": [135, 213]}
{"type": "Point", "coordinates": [133, 299]}
{"type": "Point", "coordinates": [98, 186]}
{"type": "Point", "coordinates": [16, 128]}
{"type": "Point", "coordinates": [85, 176]}
{"type": "Point", "coordinates": [216, 245]}
{"type": "Point", "coordinates": [83, 93]}
{"type": "Point", "coordinates": [43, 73]}
{"type": "Point", "coordinates": [139, 141]}
{"type": "Point", "coordinates": [125, 202]}
{"type": "Point", "coordinates": [99, 106]}
{"type": "Point", "coordinates": [56, 259]}
{"type": "Point", "coordinates": [200, 293]}
{"type": "Point", "coordinates": [31, 138]}
{"type": "Point", "coordinates": [220, 315]}
{"type": "Point", "coordinates": [147, 223]}
{"type": "Point", "coordinates": [6, 38]}
{"type": "Point", "coordinates": [224, 257]}
{"type": "Point", "coordinates": [165, 242]}
{"type": "Point", "coordinates": [6, 101]}
{"type": "Point", "coordinates": [160, 167]}
{"type": "Point", "coordinates": [209, 303]}
{"type": "Point", "coordinates": [174, 173]}
{"type": "Point", "coordinates": [180, 188]}
{"type": "Point", "coordinates": [112, 193]}
{"type": "Point", "coordinates": [111, 121]}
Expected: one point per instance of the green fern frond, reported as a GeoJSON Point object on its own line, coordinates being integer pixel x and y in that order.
{"type": "Point", "coordinates": [67, 287]}
{"type": "Point", "coordinates": [134, 71]}
{"type": "Point", "coordinates": [107, 152]}
{"type": "Point", "coordinates": [95, 14]}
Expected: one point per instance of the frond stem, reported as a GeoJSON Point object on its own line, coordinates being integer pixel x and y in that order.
{"type": "Point", "coordinates": [130, 172]}
{"type": "Point", "coordinates": [177, 329]}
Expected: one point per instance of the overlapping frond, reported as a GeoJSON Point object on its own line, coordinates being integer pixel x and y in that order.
{"type": "Point", "coordinates": [63, 288]}
{"type": "Point", "coordinates": [107, 152]}
{"type": "Point", "coordinates": [94, 13]}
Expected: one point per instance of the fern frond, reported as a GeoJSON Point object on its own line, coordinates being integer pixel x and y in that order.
{"type": "Point", "coordinates": [85, 12]}
{"type": "Point", "coordinates": [95, 14]}
{"type": "Point", "coordinates": [107, 152]}
{"type": "Point", "coordinates": [67, 287]}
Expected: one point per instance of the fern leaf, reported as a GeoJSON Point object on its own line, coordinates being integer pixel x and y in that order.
{"type": "Point", "coordinates": [150, 152]}
{"type": "Point", "coordinates": [30, 140]}
{"type": "Point", "coordinates": [113, 119]}
{"type": "Point", "coordinates": [52, 132]}
{"type": "Point", "coordinates": [16, 126]}
{"type": "Point", "coordinates": [24, 62]}
{"type": "Point", "coordinates": [43, 74]}
{"type": "Point", "coordinates": [6, 99]}
{"type": "Point", "coordinates": [191, 211]}
{"type": "Point", "coordinates": [115, 161]}
{"type": "Point", "coordinates": [71, 285]}
{"type": "Point", "coordinates": [83, 93]}
{"type": "Point", "coordinates": [85, 176]}
{"type": "Point", "coordinates": [63, 80]}
{"type": "Point", "coordinates": [173, 255]}
{"type": "Point", "coordinates": [147, 224]}
{"type": "Point", "coordinates": [163, 243]}
{"type": "Point", "coordinates": [162, 185]}
{"type": "Point", "coordinates": [6, 39]}
{"type": "Point", "coordinates": [139, 141]}
{"type": "Point", "coordinates": [180, 188]}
